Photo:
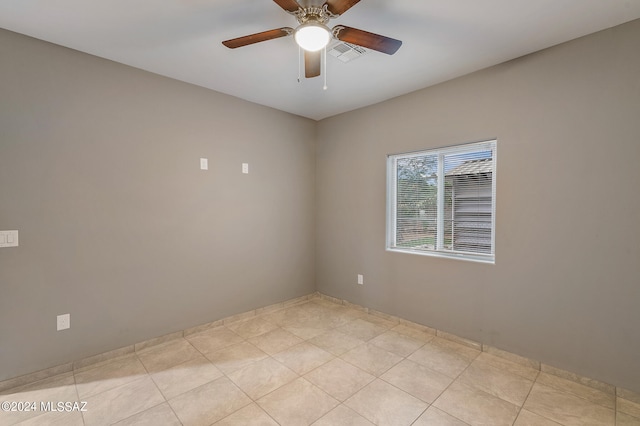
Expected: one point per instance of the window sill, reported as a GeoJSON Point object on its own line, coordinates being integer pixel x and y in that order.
{"type": "Point", "coordinates": [487, 259]}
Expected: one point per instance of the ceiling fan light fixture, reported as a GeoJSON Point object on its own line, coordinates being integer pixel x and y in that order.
{"type": "Point", "coordinates": [312, 36]}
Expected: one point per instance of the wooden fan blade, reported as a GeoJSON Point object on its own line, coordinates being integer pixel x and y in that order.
{"type": "Point", "coordinates": [258, 37]}
{"type": "Point", "coordinates": [366, 39]}
{"type": "Point", "coordinates": [288, 5]}
{"type": "Point", "coordinates": [338, 7]}
{"type": "Point", "coordinates": [312, 62]}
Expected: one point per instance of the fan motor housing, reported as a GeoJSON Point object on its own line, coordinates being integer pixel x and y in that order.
{"type": "Point", "coordinates": [313, 13]}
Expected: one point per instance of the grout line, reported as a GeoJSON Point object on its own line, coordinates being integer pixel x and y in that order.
{"type": "Point", "coordinates": [448, 386]}
{"type": "Point", "coordinates": [422, 413]}
{"type": "Point", "coordinates": [75, 386]}
{"type": "Point", "coordinates": [527, 397]}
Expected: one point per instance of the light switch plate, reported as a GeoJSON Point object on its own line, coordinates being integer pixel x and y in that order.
{"type": "Point", "coordinates": [204, 164]}
{"type": "Point", "coordinates": [245, 168]}
{"type": "Point", "coordinates": [8, 238]}
{"type": "Point", "coordinates": [63, 321]}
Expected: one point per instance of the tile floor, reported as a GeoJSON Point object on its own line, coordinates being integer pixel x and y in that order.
{"type": "Point", "coordinates": [318, 363]}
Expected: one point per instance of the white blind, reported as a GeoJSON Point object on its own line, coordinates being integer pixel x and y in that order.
{"type": "Point", "coordinates": [443, 201]}
{"type": "Point", "coordinates": [417, 202]}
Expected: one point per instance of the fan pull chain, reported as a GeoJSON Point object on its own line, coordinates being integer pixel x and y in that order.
{"type": "Point", "coordinates": [299, 63]}
{"type": "Point", "coordinates": [324, 67]}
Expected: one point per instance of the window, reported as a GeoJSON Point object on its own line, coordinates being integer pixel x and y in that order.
{"type": "Point", "coordinates": [442, 202]}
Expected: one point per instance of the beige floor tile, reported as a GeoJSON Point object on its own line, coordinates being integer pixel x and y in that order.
{"type": "Point", "coordinates": [623, 419]}
{"type": "Point", "coordinates": [57, 388]}
{"type": "Point", "coordinates": [371, 359]}
{"type": "Point", "coordinates": [417, 380]}
{"type": "Point", "coordinates": [497, 382]}
{"type": "Point", "coordinates": [303, 357]}
{"type": "Point", "coordinates": [511, 357]}
{"type": "Point", "coordinates": [628, 395]}
{"type": "Point", "coordinates": [384, 404]}
{"type": "Point", "coordinates": [476, 407]}
{"type": "Point", "coordinates": [628, 407]}
{"type": "Point", "coordinates": [339, 378]}
{"type": "Point", "coordinates": [527, 418]}
{"type": "Point", "coordinates": [262, 377]}
{"type": "Point", "coordinates": [251, 415]}
{"type": "Point", "coordinates": [424, 334]}
{"type": "Point", "coordinates": [209, 403]}
{"type": "Point", "coordinates": [318, 317]}
{"type": "Point", "coordinates": [361, 329]}
{"type": "Point", "coordinates": [252, 327]}
{"type": "Point", "coordinates": [110, 375]}
{"type": "Point", "coordinates": [340, 315]}
{"type": "Point", "coordinates": [124, 401]}
{"type": "Point", "coordinates": [566, 408]}
{"type": "Point", "coordinates": [577, 389]}
{"type": "Point", "coordinates": [342, 416]}
{"type": "Point", "coordinates": [336, 342]}
{"type": "Point", "coordinates": [214, 339]}
{"type": "Point", "coordinates": [435, 417]}
{"type": "Point", "coordinates": [297, 403]}
{"type": "Point", "coordinates": [326, 320]}
{"type": "Point", "coordinates": [275, 341]}
{"type": "Point", "coordinates": [444, 357]}
{"type": "Point", "coordinates": [160, 357]}
{"type": "Point", "coordinates": [305, 332]}
{"type": "Point", "coordinates": [276, 317]}
{"type": "Point", "coordinates": [462, 350]}
{"type": "Point", "coordinates": [382, 322]}
{"type": "Point", "coordinates": [186, 376]}
{"type": "Point", "coordinates": [236, 356]}
{"type": "Point", "coordinates": [289, 316]}
{"type": "Point", "coordinates": [357, 312]}
{"type": "Point", "coordinates": [577, 378]}
{"type": "Point", "coordinates": [159, 415]}
{"type": "Point", "coordinates": [335, 320]}
{"type": "Point", "coordinates": [64, 418]}
{"type": "Point", "coordinates": [397, 343]}
{"type": "Point", "coordinates": [510, 366]}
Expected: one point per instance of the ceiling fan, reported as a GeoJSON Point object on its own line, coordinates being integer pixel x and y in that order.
{"type": "Point", "coordinates": [312, 34]}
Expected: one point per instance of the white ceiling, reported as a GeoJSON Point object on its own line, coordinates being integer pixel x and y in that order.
{"type": "Point", "coordinates": [181, 39]}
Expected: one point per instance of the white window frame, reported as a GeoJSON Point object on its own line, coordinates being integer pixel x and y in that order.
{"type": "Point", "coordinates": [439, 250]}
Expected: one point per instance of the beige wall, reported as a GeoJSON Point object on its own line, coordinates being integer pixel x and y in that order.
{"type": "Point", "coordinates": [99, 171]}
{"type": "Point", "coordinates": [565, 288]}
